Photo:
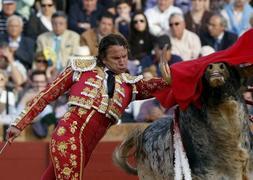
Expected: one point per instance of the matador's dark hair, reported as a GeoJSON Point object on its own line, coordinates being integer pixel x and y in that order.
{"type": "Point", "coordinates": [106, 42]}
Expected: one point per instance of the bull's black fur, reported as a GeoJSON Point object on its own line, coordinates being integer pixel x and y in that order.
{"type": "Point", "coordinates": [216, 137]}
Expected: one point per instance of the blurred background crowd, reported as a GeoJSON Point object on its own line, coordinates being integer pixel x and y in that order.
{"type": "Point", "coordinates": [37, 37]}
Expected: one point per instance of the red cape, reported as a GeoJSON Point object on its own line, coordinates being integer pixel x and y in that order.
{"type": "Point", "coordinates": [186, 86]}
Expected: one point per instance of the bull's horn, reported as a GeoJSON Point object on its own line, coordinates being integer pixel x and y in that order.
{"type": "Point", "coordinates": [164, 67]}
{"type": "Point", "coordinates": [246, 71]}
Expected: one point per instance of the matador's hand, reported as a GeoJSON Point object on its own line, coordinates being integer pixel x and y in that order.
{"type": "Point", "coordinates": [12, 133]}
{"type": "Point", "coordinates": [164, 67]}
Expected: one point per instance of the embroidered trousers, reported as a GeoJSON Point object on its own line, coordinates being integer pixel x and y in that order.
{"type": "Point", "coordinates": [73, 141]}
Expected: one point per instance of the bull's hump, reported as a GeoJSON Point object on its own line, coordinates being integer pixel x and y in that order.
{"type": "Point", "coordinates": [228, 116]}
{"type": "Point", "coordinates": [230, 108]}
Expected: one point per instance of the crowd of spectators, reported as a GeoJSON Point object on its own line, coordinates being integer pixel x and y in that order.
{"type": "Point", "coordinates": [37, 38]}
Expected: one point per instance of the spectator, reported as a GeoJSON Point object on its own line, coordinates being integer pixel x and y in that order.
{"type": "Point", "coordinates": [41, 22]}
{"type": "Point", "coordinates": [217, 37]}
{"type": "Point", "coordinates": [83, 16]}
{"type": "Point", "coordinates": [137, 5]}
{"type": "Point", "coordinates": [14, 69]}
{"type": "Point", "coordinates": [140, 39]}
{"type": "Point", "coordinates": [45, 61]}
{"type": "Point", "coordinates": [196, 18]}
{"type": "Point", "coordinates": [150, 4]}
{"type": "Point", "coordinates": [158, 16]}
{"type": "Point", "coordinates": [251, 20]}
{"type": "Point", "coordinates": [9, 9]}
{"type": "Point", "coordinates": [46, 118]}
{"type": "Point", "coordinates": [237, 14]}
{"type": "Point", "coordinates": [92, 37]}
{"type": "Point", "coordinates": [217, 5]}
{"type": "Point", "coordinates": [122, 21]}
{"type": "Point", "coordinates": [248, 96]}
{"type": "Point", "coordinates": [109, 5]}
{"type": "Point", "coordinates": [150, 111]}
{"type": "Point", "coordinates": [24, 8]}
{"type": "Point", "coordinates": [8, 110]}
{"type": "Point", "coordinates": [70, 3]}
{"type": "Point", "coordinates": [61, 40]}
{"type": "Point", "coordinates": [185, 43]}
{"type": "Point", "coordinates": [22, 47]}
{"type": "Point", "coordinates": [151, 63]}
{"type": "Point", "coordinates": [207, 5]}
{"type": "Point", "coordinates": [184, 5]}
{"type": "Point", "coordinates": [206, 50]}
{"type": "Point", "coordinates": [61, 5]}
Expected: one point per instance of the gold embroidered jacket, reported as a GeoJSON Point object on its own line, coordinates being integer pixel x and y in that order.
{"type": "Point", "coordinates": [84, 80]}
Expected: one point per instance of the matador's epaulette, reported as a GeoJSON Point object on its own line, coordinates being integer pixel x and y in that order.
{"type": "Point", "coordinates": [83, 63]}
{"type": "Point", "coordinates": [131, 79]}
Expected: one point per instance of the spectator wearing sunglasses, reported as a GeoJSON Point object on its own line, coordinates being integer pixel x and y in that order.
{"type": "Point", "coordinates": [140, 39]}
{"type": "Point", "coordinates": [185, 43]}
{"type": "Point", "coordinates": [41, 22]}
{"type": "Point", "coordinates": [45, 61]}
{"type": "Point", "coordinates": [158, 16]}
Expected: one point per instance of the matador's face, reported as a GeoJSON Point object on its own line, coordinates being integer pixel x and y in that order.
{"type": "Point", "coordinates": [116, 59]}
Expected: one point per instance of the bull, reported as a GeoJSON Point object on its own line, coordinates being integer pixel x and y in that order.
{"type": "Point", "coordinates": [216, 137]}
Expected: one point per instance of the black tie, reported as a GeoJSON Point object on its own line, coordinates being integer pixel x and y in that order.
{"type": "Point", "coordinates": [110, 83]}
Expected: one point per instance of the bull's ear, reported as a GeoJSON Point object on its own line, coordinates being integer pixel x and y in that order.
{"type": "Point", "coordinates": [246, 71]}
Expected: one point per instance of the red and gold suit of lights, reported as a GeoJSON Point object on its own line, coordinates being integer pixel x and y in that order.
{"type": "Point", "coordinates": [91, 112]}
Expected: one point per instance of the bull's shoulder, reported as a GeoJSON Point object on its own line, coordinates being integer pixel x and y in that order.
{"type": "Point", "coordinates": [159, 129]}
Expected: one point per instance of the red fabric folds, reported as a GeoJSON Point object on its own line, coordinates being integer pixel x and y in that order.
{"type": "Point", "coordinates": [186, 86]}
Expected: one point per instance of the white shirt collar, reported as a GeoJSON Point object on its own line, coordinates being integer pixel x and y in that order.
{"type": "Point", "coordinates": [17, 40]}
{"type": "Point", "coordinates": [220, 36]}
{"type": "Point", "coordinates": [106, 69]}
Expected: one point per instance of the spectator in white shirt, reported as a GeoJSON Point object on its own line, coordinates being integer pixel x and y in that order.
{"type": "Point", "coordinates": [185, 43]}
{"type": "Point", "coordinates": [158, 16]}
{"type": "Point", "coordinates": [8, 111]}
{"type": "Point", "coordinates": [15, 70]}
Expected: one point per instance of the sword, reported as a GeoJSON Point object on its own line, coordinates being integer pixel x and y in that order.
{"type": "Point", "coordinates": [4, 146]}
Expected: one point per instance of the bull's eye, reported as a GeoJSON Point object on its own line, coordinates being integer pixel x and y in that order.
{"type": "Point", "coordinates": [210, 66]}
{"type": "Point", "coordinates": [222, 66]}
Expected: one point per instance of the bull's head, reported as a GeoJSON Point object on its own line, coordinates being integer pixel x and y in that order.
{"type": "Point", "coordinates": [216, 74]}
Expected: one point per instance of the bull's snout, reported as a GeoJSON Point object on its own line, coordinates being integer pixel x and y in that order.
{"type": "Point", "coordinates": [216, 81]}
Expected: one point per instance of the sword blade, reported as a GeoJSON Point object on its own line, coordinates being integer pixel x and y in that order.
{"type": "Point", "coordinates": [4, 146]}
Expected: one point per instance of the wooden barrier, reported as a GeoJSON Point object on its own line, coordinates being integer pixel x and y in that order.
{"type": "Point", "coordinates": [27, 160]}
